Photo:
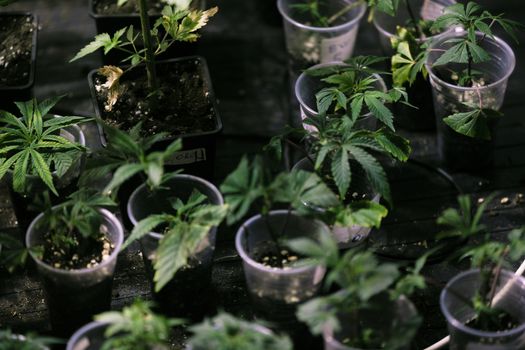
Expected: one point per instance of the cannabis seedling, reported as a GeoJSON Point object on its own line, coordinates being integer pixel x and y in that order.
{"type": "Point", "coordinates": [488, 256]}
{"type": "Point", "coordinates": [184, 229]}
{"type": "Point", "coordinates": [137, 327]}
{"type": "Point", "coordinates": [178, 23]}
{"type": "Point", "coordinates": [13, 254]}
{"type": "Point", "coordinates": [225, 332]}
{"type": "Point", "coordinates": [31, 144]}
{"type": "Point", "coordinates": [74, 229]}
{"type": "Point", "coordinates": [364, 284]}
{"type": "Point", "coordinates": [129, 154]}
{"type": "Point", "coordinates": [467, 50]}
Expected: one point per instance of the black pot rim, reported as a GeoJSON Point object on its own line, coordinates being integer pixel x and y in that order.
{"type": "Point", "coordinates": [32, 68]}
{"type": "Point", "coordinates": [206, 77]}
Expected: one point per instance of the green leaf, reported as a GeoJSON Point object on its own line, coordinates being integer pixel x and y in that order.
{"type": "Point", "coordinates": [42, 169]}
{"type": "Point", "coordinates": [340, 168]}
{"type": "Point", "coordinates": [361, 213]}
{"type": "Point", "coordinates": [457, 53]}
{"type": "Point", "coordinates": [396, 145]}
{"type": "Point", "coordinates": [20, 171]}
{"type": "Point", "coordinates": [379, 110]}
{"type": "Point", "coordinates": [144, 227]}
{"type": "Point", "coordinates": [473, 123]}
{"type": "Point", "coordinates": [122, 174]}
{"type": "Point", "coordinates": [100, 41]}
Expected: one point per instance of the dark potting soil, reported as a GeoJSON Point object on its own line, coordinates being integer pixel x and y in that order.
{"type": "Point", "coordinates": [16, 41]}
{"type": "Point", "coordinates": [182, 105]}
{"type": "Point", "coordinates": [87, 253]}
{"type": "Point", "coordinates": [109, 7]}
{"type": "Point", "coordinates": [269, 255]}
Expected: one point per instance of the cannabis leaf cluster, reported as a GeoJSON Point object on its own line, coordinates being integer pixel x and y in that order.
{"type": "Point", "coordinates": [136, 327]}
{"type": "Point", "coordinates": [487, 255]}
{"type": "Point", "coordinates": [184, 229]}
{"type": "Point", "coordinates": [364, 284]}
{"type": "Point", "coordinates": [33, 144]}
{"type": "Point", "coordinates": [225, 332]}
{"type": "Point", "coordinates": [30, 341]}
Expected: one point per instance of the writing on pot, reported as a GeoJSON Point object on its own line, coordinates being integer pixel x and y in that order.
{"type": "Point", "coordinates": [338, 48]}
{"type": "Point", "coordinates": [187, 157]}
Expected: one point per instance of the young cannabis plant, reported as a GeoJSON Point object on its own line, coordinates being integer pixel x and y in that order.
{"type": "Point", "coordinates": [176, 24]}
{"type": "Point", "coordinates": [409, 60]}
{"type": "Point", "coordinates": [251, 182]}
{"type": "Point", "coordinates": [32, 145]}
{"type": "Point", "coordinates": [185, 228]}
{"type": "Point", "coordinates": [74, 224]}
{"type": "Point", "coordinates": [225, 332]}
{"type": "Point", "coordinates": [488, 256]}
{"type": "Point", "coordinates": [13, 254]}
{"type": "Point", "coordinates": [366, 285]}
{"type": "Point", "coordinates": [136, 327]}
{"type": "Point", "coordinates": [468, 49]}
{"type": "Point", "coordinates": [352, 91]}
{"type": "Point", "coordinates": [128, 154]}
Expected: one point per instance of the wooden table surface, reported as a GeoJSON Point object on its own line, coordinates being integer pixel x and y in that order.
{"type": "Point", "coordinates": [248, 65]}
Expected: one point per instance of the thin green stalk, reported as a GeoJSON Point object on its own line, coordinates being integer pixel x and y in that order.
{"type": "Point", "coordinates": [413, 18]}
{"type": "Point", "coordinates": [146, 36]}
{"type": "Point", "coordinates": [343, 11]}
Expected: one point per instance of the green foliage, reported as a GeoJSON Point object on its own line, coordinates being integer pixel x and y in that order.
{"type": "Point", "coordinates": [31, 144]}
{"type": "Point", "coordinates": [31, 341]}
{"type": "Point", "coordinates": [352, 87]}
{"type": "Point", "coordinates": [6, 2]}
{"type": "Point", "coordinates": [472, 18]}
{"type": "Point", "coordinates": [13, 253]}
{"type": "Point", "coordinates": [75, 221]}
{"type": "Point", "coordinates": [128, 154]}
{"type": "Point", "coordinates": [409, 60]}
{"type": "Point", "coordinates": [473, 123]}
{"type": "Point", "coordinates": [225, 332]}
{"type": "Point", "coordinates": [487, 255]}
{"type": "Point", "coordinates": [136, 327]}
{"type": "Point", "coordinates": [185, 228]}
{"type": "Point", "coordinates": [364, 282]}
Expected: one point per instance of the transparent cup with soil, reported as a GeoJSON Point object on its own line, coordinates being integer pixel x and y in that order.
{"type": "Point", "coordinates": [482, 99]}
{"type": "Point", "coordinates": [346, 236]}
{"type": "Point", "coordinates": [308, 85]}
{"type": "Point", "coordinates": [75, 262]}
{"type": "Point", "coordinates": [382, 318]}
{"type": "Point", "coordinates": [168, 240]}
{"type": "Point", "coordinates": [324, 35]}
{"type": "Point", "coordinates": [470, 332]}
{"type": "Point", "coordinates": [276, 285]}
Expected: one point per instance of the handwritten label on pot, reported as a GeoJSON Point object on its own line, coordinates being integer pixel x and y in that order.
{"type": "Point", "coordinates": [431, 10]}
{"type": "Point", "coordinates": [338, 48]}
{"type": "Point", "coordinates": [187, 157]}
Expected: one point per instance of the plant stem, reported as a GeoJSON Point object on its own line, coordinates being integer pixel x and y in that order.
{"type": "Point", "coordinates": [341, 12]}
{"type": "Point", "coordinates": [146, 36]}
{"type": "Point", "coordinates": [413, 18]}
{"type": "Point", "coordinates": [469, 66]}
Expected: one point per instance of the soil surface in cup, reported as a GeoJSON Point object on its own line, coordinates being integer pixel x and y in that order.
{"type": "Point", "coordinates": [269, 255]}
{"type": "Point", "coordinates": [86, 252]}
{"type": "Point", "coordinates": [499, 322]}
{"type": "Point", "coordinates": [110, 7]}
{"type": "Point", "coordinates": [181, 106]}
{"type": "Point", "coordinates": [16, 41]}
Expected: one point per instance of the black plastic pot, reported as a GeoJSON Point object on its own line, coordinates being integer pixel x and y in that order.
{"type": "Point", "coordinates": [10, 94]}
{"type": "Point", "coordinates": [198, 154]}
{"type": "Point", "coordinates": [188, 293]}
{"type": "Point", "coordinates": [74, 296]}
{"type": "Point", "coordinates": [112, 23]}
{"type": "Point", "coordinates": [24, 204]}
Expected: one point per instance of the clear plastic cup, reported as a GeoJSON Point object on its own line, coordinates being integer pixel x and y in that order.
{"type": "Point", "coordinates": [185, 294]}
{"type": "Point", "coordinates": [347, 236]}
{"type": "Point", "coordinates": [276, 292]}
{"type": "Point", "coordinates": [308, 86]}
{"type": "Point", "coordinates": [458, 151]}
{"type": "Point", "coordinates": [384, 317]}
{"type": "Point", "coordinates": [89, 337]}
{"type": "Point", "coordinates": [74, 296]}
{"type": "Point", "coordinates": [308, 45]}
{"type": "Point", "coordinates": [509, 294]}
{"type": "Point", "coordinates": [387, 25]}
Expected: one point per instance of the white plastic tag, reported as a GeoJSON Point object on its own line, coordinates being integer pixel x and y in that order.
{"type": "Point", "coordinates": [187, 157]}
